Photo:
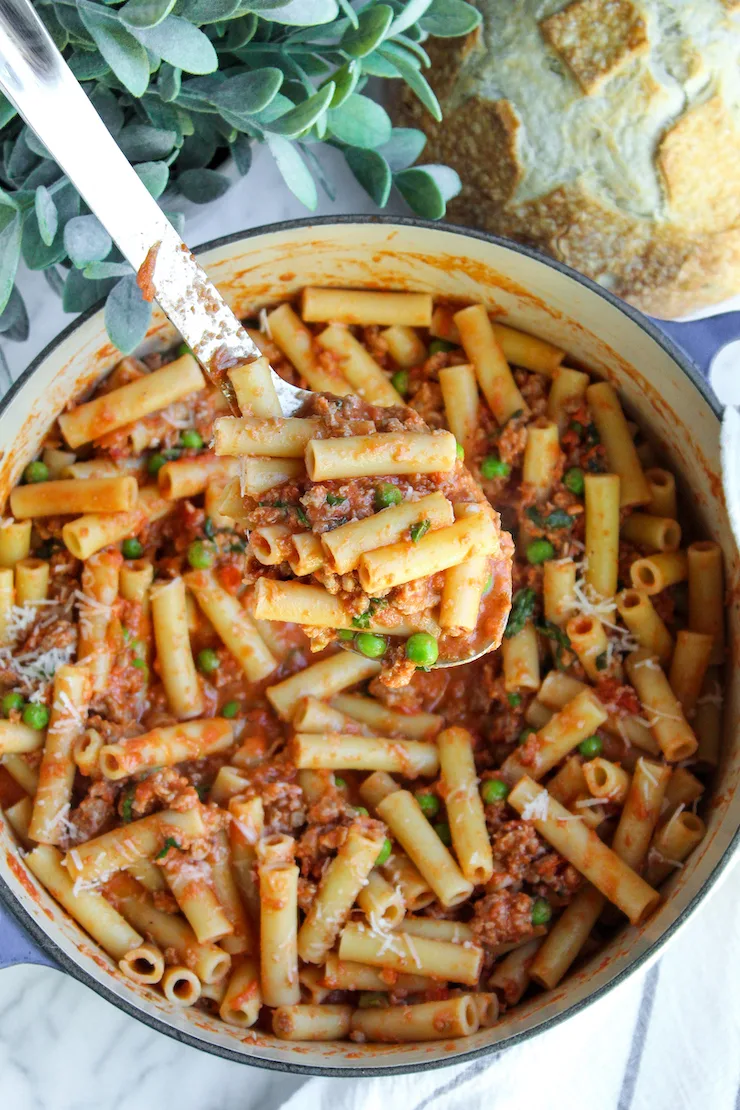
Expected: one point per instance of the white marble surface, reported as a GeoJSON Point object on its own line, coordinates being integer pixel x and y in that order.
{"type": "Point", "coordinates": [666, 1038]}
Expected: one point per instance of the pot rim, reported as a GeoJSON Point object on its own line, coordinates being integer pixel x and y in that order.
{"type": "Point", "coordinates": [18, 911]}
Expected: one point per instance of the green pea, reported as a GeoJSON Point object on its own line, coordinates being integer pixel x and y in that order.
{"type": "Point", "coordinates": [591, 747]}
{"type": "Point", "coordinates": [36, 472]}
{"type": "Point", "coordinates": [442, 830]}
{"type": "Point", "coordinates": [400, 382]}
{"type": "Point", "coordinates": [200, 556]}
{"type": "Point", "coordinates": [361, 811]}
{"type": "Point", "coordinates": [422, 649]}
{"type": "Point", "coordinates": [155, 463]}
{"type": "Point", "coordinates": [514, 700]}
{"type": "Point", "coordinates": [384, 852]}
{"type": "Point", "coordinates": [438, 345]}
{"type": "Point", "coordinates": [132, 548]}
{"type": "Point", "coordinates": [428, 803]}
{"type": "Point", "coordinates": [367, 643]}
{"type": "Point", "coordinates": [36, 716]}
{"type": "Point", "coordinates": [191, 438]}
{"type": "Point", "coordinates": [539, 551]}
{"type": "Point", "coordinates": [494, 467]}
{"type": "Point", "coordinates": [372, 1000]}
{"type": "Point", "coordinates": [230, 710]}
{"type": "Point", "coordinates": [183, 349]}
{"type": "Point", "coordinates": [345, 634]}
{"type": "Point", "coordinates": [494, 790]}
{"type": "Point", "coordinates": [574, 481]}
{"type": "Point", "coordinates": [387, 495]}
{"type": "Point", "coordinates": [12, 701]}
{"type": "Point", "coordinates": [541, 911]}
{"type": "Point", "coordinates": [208, 661]}
{"type": "Point", "coordinates": [339, 782]}
{"type": "Point", "coordinates": [524, 735]}
{"type": "Point", "coordinates": [460, 451]}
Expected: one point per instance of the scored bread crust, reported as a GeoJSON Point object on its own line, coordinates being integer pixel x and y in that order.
{"type": "Point", "coordinates": [670, 255]}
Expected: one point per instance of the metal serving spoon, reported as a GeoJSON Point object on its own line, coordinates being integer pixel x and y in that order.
{"type": "Point", "coordinates": [38, 81]}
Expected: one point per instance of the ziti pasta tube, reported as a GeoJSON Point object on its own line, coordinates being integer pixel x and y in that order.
{"type": "Point", "coordinates": [165, 746]}
{"type": "Point", "coordinates": [545, 749]}
{"type": "Point", "coordinates": [72, 689]}
{"type": "Point", "coordinates": [663, 709]}
{"type": "Point", "coordinates": [358, 366]}
{"type": "Point", "coordinates": [68, 496]}
{"type": "Point", "coordinates": [404, 817]}
{"type": "Point", "coordinates": [122, 846]}
{"type": "Point", "coordinates": [344, 545]}
{"type": "Point", "coordinates": [459, 786]}
{"type": "Point", "coordinates": [491, 368]}
{"type": "Point", "coordinates": [332, 751]}
{"type": "Point", "coordinates": [297, 344]}
{"type": "Point", "coordinates": [174, 653]}
{"type": "Point", "coordinates": [621, 455]}
{"type": "Point", "coordinates": [232, 624]}
{"type": "Point", "coordinates": [706, 593]}
{"type": "Point", "coordinates": [440, 959]}
{"type": "Point", "coordinates": [364, 306]}
{"type": "Point", "coordinates": [380, 454]}
{"type": "Point", "coordinates": [425, 1021]}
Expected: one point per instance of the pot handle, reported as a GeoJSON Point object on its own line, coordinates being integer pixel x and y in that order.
{"type": "Point", "coordinates": [17, 947]}
{"type": "Point", "coordinates": [703, 339]}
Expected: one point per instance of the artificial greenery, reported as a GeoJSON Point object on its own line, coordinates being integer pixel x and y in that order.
{"type": "Point", "coordinates": [183, 85]}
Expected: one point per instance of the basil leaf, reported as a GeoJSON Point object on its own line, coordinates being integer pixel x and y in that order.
{"type": "Point", "coordinates": [534, 514]}
{"type": "Point", "coordinates": [335, 499]}
{"type": "Point", "coordinates": [522, 608]}
{"type": "Point", "coordinates": [127, 315]}
{"type": "Point", "coordinates": [372, 172]}
{"type": "Point", "coordinates": [170, 842]}
{"type": "Point", "coordinates": [360, 122]}
{"type": "Point", "coordinates": [558, 518]}
{"type": "Point", "coordinates": [554, 632]}
{"type": "Point", "coordinates": [601, 661]}
{"type": "Point", "coordinates": [418, 530]}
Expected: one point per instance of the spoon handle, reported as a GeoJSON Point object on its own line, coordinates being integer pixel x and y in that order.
{"type": "Point", "coordinates": [35, 77]}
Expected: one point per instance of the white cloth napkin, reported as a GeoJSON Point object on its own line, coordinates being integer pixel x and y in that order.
{"type": "Point", "coordinates": [667, 1039]}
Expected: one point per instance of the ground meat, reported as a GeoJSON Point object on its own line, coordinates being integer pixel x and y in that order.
{"type": "Point", "coordinates": [306, 894]}
{"type": "Point", "coordinates": [515, 845]}
{"type": "Point", "coordinates": [316, 846]}
{"type": "Point", "coordinates": [555, 874]}
{"type": "Point", "coordinates": [94, 814]}
{"type": "Point", "coordinates": [284, 807]}
{"type": "Point", "coordinates": [163, 789]}
{"type": "Point", "coordinates": [502, 918]}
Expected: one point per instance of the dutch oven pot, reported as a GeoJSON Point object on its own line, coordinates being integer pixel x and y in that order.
{"type": "Point", "coordinates": [662, 390]}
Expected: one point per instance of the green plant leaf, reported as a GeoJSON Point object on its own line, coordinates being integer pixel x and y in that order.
{"type": "Point", "coordinates": [59, 34]}
{"type": "Point", "coordinates": [80, 293]}
{"type": "Point", "coordinates": [46, 214]}
{"type": "Point", "coordinates": [169, 82]}
{"type": "Point", "coordinates": [177, 219]}
{"type": "Point", "coordinates": [403, 148]}
{"type": "Point", "coordinates": [248, 93]}
{"type": "Point", "coordinates": [155, 176]}
{"type": "Point", "coordinates": [87, 66]}
{"type": "Point", "coordinates": [241, 31]}
{"type": "Point", "coordinates": [411, 12]}
{"type": "Point", "coordinates": [373, 24]}
{"type": "Point", "coordinates": [426, 189]}
{"type": "Point", "coordinates": [142, 143]}
{"type": "Point", "coordinates": [349, 11]}
{"type": "Point", "coordinates": [373, 173]}
{"type": "Point", "coordinates": [302, 13]}
{"type": "Point", "coordinates": [360, 122]}
{"type": "Point", "coordinates": [300, 118]}
{"type": "Point", "coordinates": [181, 44]}
{"type": "Point", "coordinates": [202, 186]}
{"type": "Point", "coordinates": [37, 255]}
{"type": "Point", "coordinates": [450, 19]}
{"type": "Point", "coordinates": [127, 315]}
{"type": "Point", "coordinates": [413, 78]}
{"type": "Point", "coordinates": [46, 173]}
{"type": "Point", "coordinates": [86, 240]}
{"type": "Point", "coordinates": [125, 56]}
{"type": "Point", "coordinates": [99, 271]}
{"type": "Point", "coordinates": [10, 253]}
{"type": "Point", "coordinates": [375, 65]}
{"type": "Point", "coordinates": [207, 11]}
{"type": "Point", "coordinates": [108, 108]}
{"type": "Point", "coordinates": [54, 280]}
{"type": "Point", "coordinates": [241, 152]}
{"type": "Point", "coordinates": [69, 17]}
{"type": "Point", "coordinates": [145, 13]}
{"type": "Point", "coordinates": [14, 318]}
{"type": "Point", "coordinates": [293, 170]}
{"type": "Point", "coordinates": [7, 111]}
{"type": "Point", "coordinates": [21, 161]}
{"type": "Point", "coordinates": [414, 48]}
{"type": "Point", "coordinates": [345, 81]}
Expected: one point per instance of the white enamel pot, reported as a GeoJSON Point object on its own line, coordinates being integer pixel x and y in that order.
{"type": "Point", "coordinates": [662, 390]}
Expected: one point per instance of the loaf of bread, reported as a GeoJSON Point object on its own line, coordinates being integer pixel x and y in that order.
{"type": "Point", "coordinates": [605, 132]}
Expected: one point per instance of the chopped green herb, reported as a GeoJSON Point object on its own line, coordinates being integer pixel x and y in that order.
{"type": "Point", "coordinates": [524, 735]}
{"type": "Point", "coordinates": [602, 661]}
{"type": "Point", "coordinates": [335, 499]}
{"type": "Point", "coordinates": [534, 514]}
{"type": "Point", "coordinates": [522, 609]}
{"type": "Point", "coordinates": [208, 529]}
{"type": "Point", "coordinates": [514, 700]}
{"type": "Point", "coordinates": [202, 791]}
{"type": "Point", "coordinates": [362, 621]}
{"type": "Point", "coordinates": [576, 426]}
{"type": "Point", "coordinates": [386, 495]}
{"type": "Point", "coordinates": [459, 451]}
{"type": "Point", "coordinates": [170, 842]}
{"type": "Point", "coordinates": [339, 782]}
{"type": "Point", "coordinates": [554, 632]}
{"type": "Point", "coordinates": [558, 518]}
{"type": "Point", "coordinates": [372, 1000]}
{"type": "Point", "coordinates": [237, 546]}
{"type": "Point", "coordinates": [127, 806]}
{"type": "Point", "coordinates": [302, 515]}
{"type": "Point", "coordinates": [420, 529]}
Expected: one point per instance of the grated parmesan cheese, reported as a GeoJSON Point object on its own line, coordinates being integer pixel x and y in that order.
{"type": "Point", "coordinates": [264, 323]}
{"type": "Point", "coordinates": [537, 809]}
